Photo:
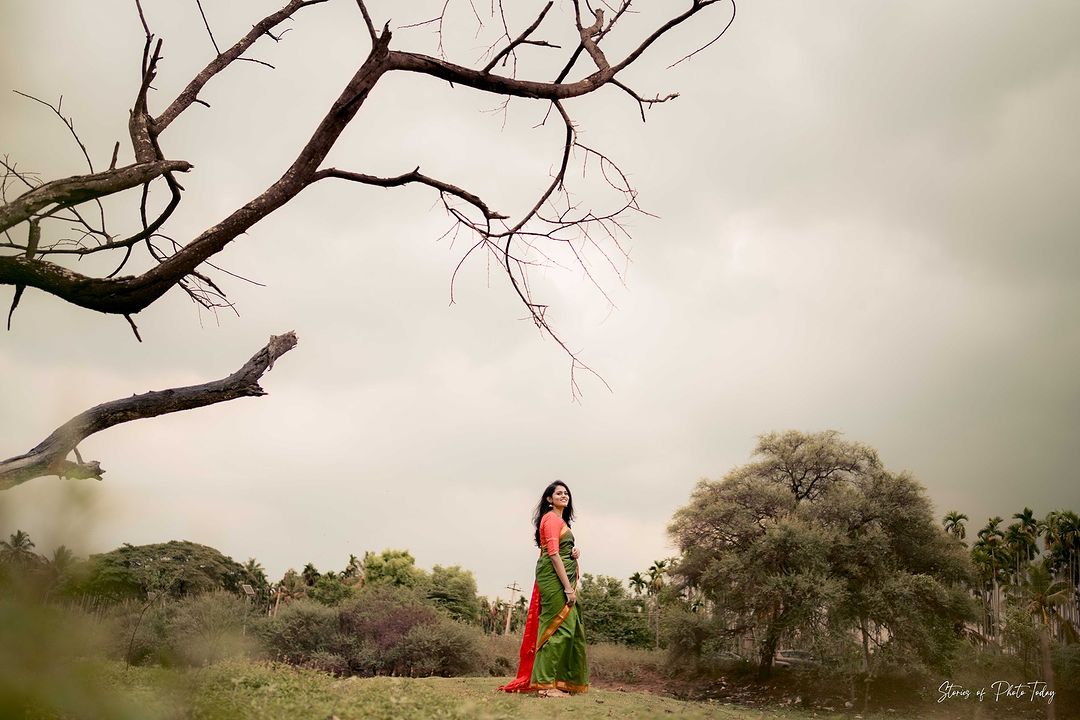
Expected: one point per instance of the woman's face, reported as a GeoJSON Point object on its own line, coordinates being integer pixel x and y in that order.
{"type": "Point", "coordinates": [560, 497]}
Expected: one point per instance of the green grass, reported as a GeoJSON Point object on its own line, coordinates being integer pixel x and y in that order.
{"type": "Point", "coordinates": [254, 690]}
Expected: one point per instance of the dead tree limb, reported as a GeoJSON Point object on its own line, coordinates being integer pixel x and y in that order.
{"type": "Point", "coordinates": [50, 457]}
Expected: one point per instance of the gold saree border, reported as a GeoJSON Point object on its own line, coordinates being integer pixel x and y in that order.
{"type": "Point", "coordinates": [556, 623]}
{"type": "Point", "coordinates": [561, 685]}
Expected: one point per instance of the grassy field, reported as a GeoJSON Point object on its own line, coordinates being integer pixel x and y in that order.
{"type": "Point", "coordinates": [263, 691]}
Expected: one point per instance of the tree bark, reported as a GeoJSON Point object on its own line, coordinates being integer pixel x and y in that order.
{"type": "Point", "coordinates": [50, 456]}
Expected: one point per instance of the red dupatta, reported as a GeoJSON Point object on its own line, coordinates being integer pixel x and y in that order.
{"type": "Point", "coordinates": [528, 647]}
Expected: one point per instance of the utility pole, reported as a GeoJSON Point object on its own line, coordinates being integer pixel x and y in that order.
{"type": "Point", "coordinates": [514, 592]}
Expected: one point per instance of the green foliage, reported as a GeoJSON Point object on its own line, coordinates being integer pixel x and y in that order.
{"type": "Point", "coordinates": [612, 615]}
{"type": "Point", "coordinates": [330, 590]}
{"type": "Point", "coordinates": [816, 543]}
{"type": "Point", "coordinates": [42, 667]}
{"type": "Point", "coordinates": [453, 589]}
{"type": "Point", "coordinates": [393, 567]}
{"type": "Point", "coordinates": [386, 629]}
{"type": "Point", "coordinates": [211, 627]}
{"type": "Point", "coordinates": [176, 568]}
{"type": "Point", "coordinates": [446, 649]}
{"type": "Point", "coordinates": [299, 630]}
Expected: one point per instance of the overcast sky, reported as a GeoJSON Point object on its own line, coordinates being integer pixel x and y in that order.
{"type": "Point", "coordinates": [866, 220]}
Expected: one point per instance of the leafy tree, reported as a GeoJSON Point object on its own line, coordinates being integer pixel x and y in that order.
{"type": "Point", "coordinates": [613, 615]}
{"type": "Point", "coordinates": [393, 567]}
{"type": "Point", "coordinates": [593, 53]}
{"type": "Point", "coordinates": [329, 589]}
{"type": "Point", "coordinates": [176, 568]}
{"type": "Point", "coordinates": [454, 590]}
{"type": "Point", "coordinates": [815, 540]}
{"type": "Point", "coordinates": [807, 464]}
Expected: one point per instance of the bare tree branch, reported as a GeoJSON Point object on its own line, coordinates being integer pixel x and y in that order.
{"type": "Point", "coordinates": [520, 38]}
{"type": "Point", "coordinates": [190, 93]}
{"type": "Point", "coordinates": [555, 217]}
{"type": "Point", "coordinates": [81, 188]}
{"type": "Point", "coordinates": [412, 177]}
{"type": "Point", "coordinates": [50, 456]}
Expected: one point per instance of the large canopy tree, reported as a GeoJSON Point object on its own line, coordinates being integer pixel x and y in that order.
{"type": "Point", "coordinates": [857, 566]}
{"type": "Point", "coordinates": [544, 52]}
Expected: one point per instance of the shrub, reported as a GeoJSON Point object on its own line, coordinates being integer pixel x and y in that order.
{"type": "Point", "coordinates": [501, 654]}
{"type": "Point", "coordinates": [377, 621]}
{"type": "Point", "coordinates": [446, 649]}
{"type": "Point", "coordinates": [206, 628]}
{"type": "Point", "coordinates": [299, 630]}
{"type": "Point", "coordinates": [137, 632]}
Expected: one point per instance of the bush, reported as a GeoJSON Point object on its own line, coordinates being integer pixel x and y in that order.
{"type": "Point", "coordinates": [207, 628]}
{"type": "Point", "coordinates": [501, 654]}
{"type": "Point", "coordinates": [299, 630]}
{"type": "Point", "coordinates": [137, 632]}
{"type": "Point", "coordinates": [447, 648]}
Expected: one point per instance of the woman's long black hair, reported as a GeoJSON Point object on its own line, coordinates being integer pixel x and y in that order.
{"type": "Point", "coordinates": [544, 506]}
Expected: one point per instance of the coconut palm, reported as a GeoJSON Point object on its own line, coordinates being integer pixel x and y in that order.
{"type": "Point", "coordinates": [18, 549]}
{"type": "Point", "coordinates": [353, 572]}
{"type": "Point", "coordinates": [954, 524]}
{"type": "Point", "coordinates": [1041, 595]}
{"type": "Point", "coordinates": [290, 587]}
{"type": "Point", "coordinates": [310, 574]}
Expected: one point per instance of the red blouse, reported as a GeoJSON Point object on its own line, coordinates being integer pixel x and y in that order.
{"type": "Point", "coordinates": [551, 526]}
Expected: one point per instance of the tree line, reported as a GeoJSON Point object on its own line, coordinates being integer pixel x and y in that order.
{"type": "Point", "coordinates": [814, 545]}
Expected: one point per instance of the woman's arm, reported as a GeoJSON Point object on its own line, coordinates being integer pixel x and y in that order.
{"type": "Point", "coordinates": [550, 528]}
{"type": "Point", "coordinates": [560, 570]}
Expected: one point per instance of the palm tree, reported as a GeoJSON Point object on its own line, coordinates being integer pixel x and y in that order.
{"type": "Point", "coordinates": [261, 584]}
{"type": "Point", "coordinates": [656, 576]}
{"type": "Point", "coordinates": [1063, 553]}
{"type": "Point", "coordinates": [290, 587]}
{"type": "Point", "coordinates": [1032, 530]}
{"type": "Point", "coordinates": [1041, 595]}
{"type": "Point", "coordinates": [17, 549]}
{"type": "Point", "coordinates": [991, 553]}
{"type": "Point", "coordinates": [310, 574]}
{"type": "Point", "coordinates": [638, 583]}
{"type": "Point", "coordinates": [954, 524]}
{"type": "Point", "coordinates": [353, 572]}
{"type": "Point", "coordinates": [656, 584]}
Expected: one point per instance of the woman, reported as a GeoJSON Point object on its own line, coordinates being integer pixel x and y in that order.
{"type": "Point", "coordinates": [553, 649]}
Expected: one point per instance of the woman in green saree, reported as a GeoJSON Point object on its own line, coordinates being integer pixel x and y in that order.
{"type": "Point", "coordinates": [552, 658]}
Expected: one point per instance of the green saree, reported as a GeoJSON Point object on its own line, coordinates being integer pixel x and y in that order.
{"type": "Point", "coordinates": [553, 649]}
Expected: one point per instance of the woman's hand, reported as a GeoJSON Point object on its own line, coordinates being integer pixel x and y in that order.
{"type": "Point", "coordinates": [575, 553]}
{"type": "Point", "coordinates": [571, 596]}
